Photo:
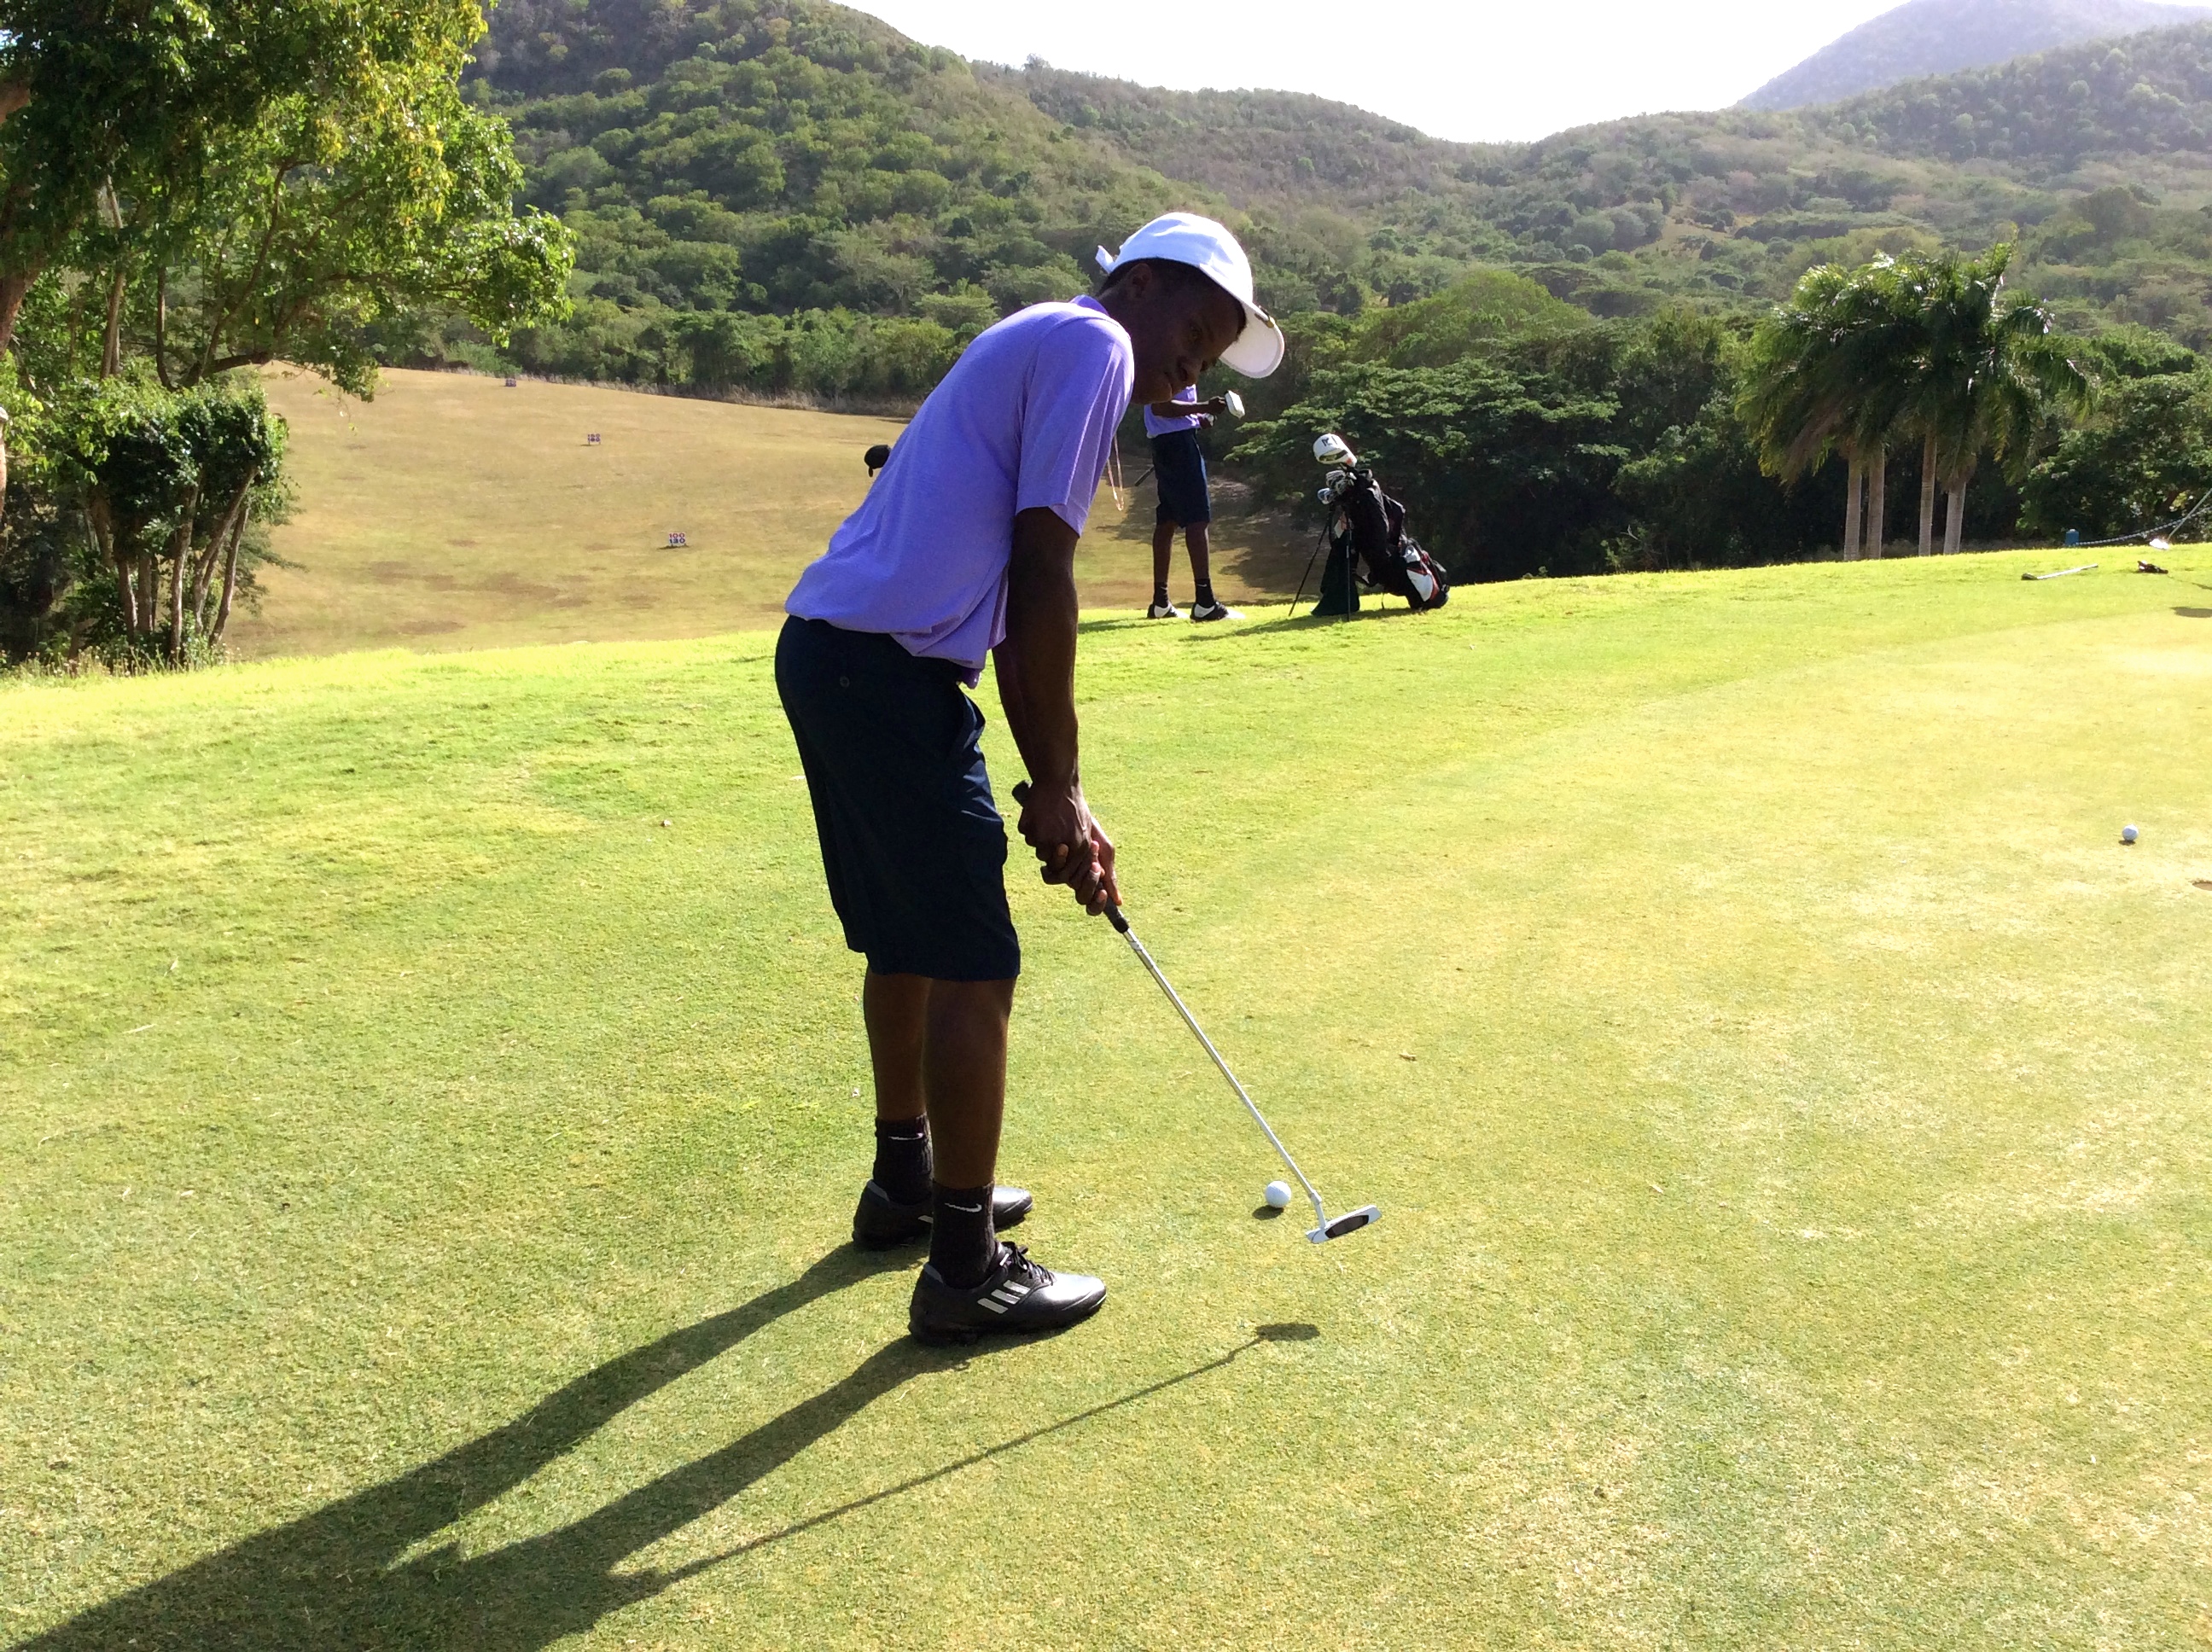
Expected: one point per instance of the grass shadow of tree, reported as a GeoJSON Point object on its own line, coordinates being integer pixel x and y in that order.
{"type": "Point", "coordinates": [342, 1579]}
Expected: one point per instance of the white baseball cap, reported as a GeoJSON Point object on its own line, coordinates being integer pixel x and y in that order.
{"type": "Point", "coordinates": [1206, 245]}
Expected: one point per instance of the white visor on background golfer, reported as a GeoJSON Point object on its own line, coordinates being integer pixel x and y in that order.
{"type": "Point", "coordinates": [1186, 238]}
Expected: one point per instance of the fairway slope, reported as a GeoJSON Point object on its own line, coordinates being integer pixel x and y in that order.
{"type": "Point", "coordinates": [435, 1098]}
{"type": "Point", "coordinates": [457, 512]}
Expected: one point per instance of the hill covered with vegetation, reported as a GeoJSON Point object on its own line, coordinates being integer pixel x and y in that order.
{"type": "Point", "coordinates": [787, 195]}
{"type": "Point", "coordinates": [1940, 37]}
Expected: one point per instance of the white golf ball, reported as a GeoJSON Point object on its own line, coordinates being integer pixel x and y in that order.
{"type": "Point", "coordinates": [1278, 1195]}
{"type": "Point", "coordinates": [2129, 835]}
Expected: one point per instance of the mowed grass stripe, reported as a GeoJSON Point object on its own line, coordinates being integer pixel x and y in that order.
{"type": "Point", "coordinates": [1796, 1182]}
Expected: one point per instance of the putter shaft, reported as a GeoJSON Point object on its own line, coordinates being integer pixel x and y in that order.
{"type": "Point", "coordinates": [1121, 926]}
{"type": "Point", "coordinates": [1324, 1228]}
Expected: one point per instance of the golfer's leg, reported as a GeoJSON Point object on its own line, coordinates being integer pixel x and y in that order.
{"type": "Point", "coordinates": [1162, 553]}
{"type": "Point", "coordinates": [896, 1010]}
{"type": "Point", "coordinates": [963, 1069]}
{"type": "Point", "coordinates": [1201, 568]}
{"type": "Point", "coordinates": [971, 1283]}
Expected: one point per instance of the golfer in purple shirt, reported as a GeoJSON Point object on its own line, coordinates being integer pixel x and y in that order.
{"type": "Point", "coordinates": [1186, 501]}
{"type": "Point", "coordinates": [965, 548]}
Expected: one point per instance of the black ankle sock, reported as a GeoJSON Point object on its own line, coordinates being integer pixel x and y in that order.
{"type": "Point", "coordinates": [1205, 598]}
{"type": "Point", "coordinates": [962, 1246]}
{"type": "Point", "coordinates": [1159, 596]}
{"type": "Point", "coordinates": [902, 1158]}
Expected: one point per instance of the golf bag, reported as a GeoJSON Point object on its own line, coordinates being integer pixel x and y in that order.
{"type": "Point", "coordinates": [1370, 526]}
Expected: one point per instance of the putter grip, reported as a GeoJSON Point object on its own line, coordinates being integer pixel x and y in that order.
{"type": "Point", "coordinates": [1113, 912]}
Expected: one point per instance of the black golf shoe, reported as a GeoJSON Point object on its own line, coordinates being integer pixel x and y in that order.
{"type": "Point", "coordinates": [1017, 1295]}
{"type": "Point", "coordinates": [882, 1221]}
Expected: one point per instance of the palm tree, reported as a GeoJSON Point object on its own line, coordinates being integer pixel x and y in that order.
{"type": "Point", "coordinates": [1928, 346]}
{"type": "Point", "coordinates": [1987, 370]}
{"type": "Point", "coordinates": [1828, 374]}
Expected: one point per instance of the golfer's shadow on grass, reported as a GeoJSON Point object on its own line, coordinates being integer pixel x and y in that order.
{"type": "Point", "coordinates": [340, 1578]}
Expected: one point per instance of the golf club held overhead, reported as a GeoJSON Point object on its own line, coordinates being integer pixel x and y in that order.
{"type": "Point", "coordinates": [1325, 1228]}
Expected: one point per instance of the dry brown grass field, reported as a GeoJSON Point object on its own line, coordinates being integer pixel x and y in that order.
{"type": "Point", "coordinates": [452, 512]}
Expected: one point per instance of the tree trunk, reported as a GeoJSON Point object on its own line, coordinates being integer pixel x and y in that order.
{"type": "Point", "coordinates": [124, 595]}
{"type": "Point", "coordinates": [1927, 495]}
{"type": "Point", "coordinates": [180, 557]}
{"type": "Point", "coordinates": [1954, 518]}
{"type": "Point", "coordinates": [12, 291]}
{"type": "Point", "coordinates": [111, 355]}
{"type": "Point", "coordinates": [1877, 527]}
{"type": "Point", "coordinates": [226, 530]}
{"type": "Point", "coordinates": [229, 578]}
{"type": "Point", "coordinates": [1854, 485]}
{"type": "Point", "coordinates": [103, 535]}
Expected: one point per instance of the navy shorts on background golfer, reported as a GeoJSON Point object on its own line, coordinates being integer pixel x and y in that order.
{"type": "Point", "coordinates": [912, 841]}
{"type": "Point", "coordinates": [1179, 468]}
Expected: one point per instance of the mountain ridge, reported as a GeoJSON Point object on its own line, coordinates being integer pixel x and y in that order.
{"type": "Point", "coordinates": [1923, 38]}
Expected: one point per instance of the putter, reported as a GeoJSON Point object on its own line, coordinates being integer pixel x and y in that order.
{"type": "Point", "coordinates": [1325, 1227]}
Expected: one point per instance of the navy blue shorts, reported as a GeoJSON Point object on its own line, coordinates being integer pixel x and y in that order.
{"type": "Point", "coordinates": [1179, 467]}
{"type": "Point", "coordinates": [912, 842]}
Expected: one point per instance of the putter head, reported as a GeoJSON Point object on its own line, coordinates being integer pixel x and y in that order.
{"type": "Point", "coordinates": [1236, 403]}
{"type": "Point", "coordinates": [1350, 1222]}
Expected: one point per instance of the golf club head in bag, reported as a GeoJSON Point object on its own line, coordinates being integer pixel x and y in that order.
{"type": "Point", "coordinates": [1332, 449]}
{"type": "Point", "coordinates": [1325, 1227]}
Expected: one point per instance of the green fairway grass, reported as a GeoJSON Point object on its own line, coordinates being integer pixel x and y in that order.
{"type": "Point", "coordinates": [433, 1107]}
{"type": "Point", "coordinates": [453, 512]}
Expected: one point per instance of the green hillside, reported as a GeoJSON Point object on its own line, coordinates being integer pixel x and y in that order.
{"type": "Point", "coordinates": [731, 165]}
{"type": "Point", "coordinates": [1940, 37]}
{"type": "Point", "coordinates": [788, 196]}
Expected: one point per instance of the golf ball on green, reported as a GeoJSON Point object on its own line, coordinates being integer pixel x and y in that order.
{"type": "Point", "coordinates": [1278, 1195]}
{"type": "Point", "coordinates": [2128, 834]}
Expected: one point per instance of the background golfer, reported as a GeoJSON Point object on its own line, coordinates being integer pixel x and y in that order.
{"type": "Point", "coordinates": [1186, 501]}
{"type": "Point", "coordinates": [964, 547]}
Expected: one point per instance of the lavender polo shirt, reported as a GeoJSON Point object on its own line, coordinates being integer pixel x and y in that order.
{"type": "Point", "coordinates": [1026, 419]}
{"type": "Point", "coordinates": [1156, 425]}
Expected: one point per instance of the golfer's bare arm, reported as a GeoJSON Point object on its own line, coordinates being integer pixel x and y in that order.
{"type": "Point", "coordinates": [1036, 668]}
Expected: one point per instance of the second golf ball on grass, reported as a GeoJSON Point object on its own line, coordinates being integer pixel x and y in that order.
{"type": "Point", "coordinates": [1278, 1195]}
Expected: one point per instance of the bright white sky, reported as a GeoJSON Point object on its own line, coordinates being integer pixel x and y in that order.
{"type": "Point", "coordinates": [1474, 70]}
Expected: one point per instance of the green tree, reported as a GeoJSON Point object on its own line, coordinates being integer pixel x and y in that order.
{"type": "Point", "coordinates": [359, 192]}
{"type": "Point", "coordinates": [1987, 376]}
{"type": "Point", "coordinates": [1829, 372]}
{"type": "Point", "coordinates": [165, 483]}
{"type": "Point", "coordinates": [137, 96]}
{"type": "Point", "coordinates": [1505, 469]}
{"type": "Point", "coordinates": [327, 219]}
{"type": "Point", "coordinates": [2144, 459]}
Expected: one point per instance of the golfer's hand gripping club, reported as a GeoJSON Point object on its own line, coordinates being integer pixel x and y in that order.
{"type": "Point", "coordinates": [1079, 854]}
{"type": "Point", "coordinates": [1323, 1228]}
